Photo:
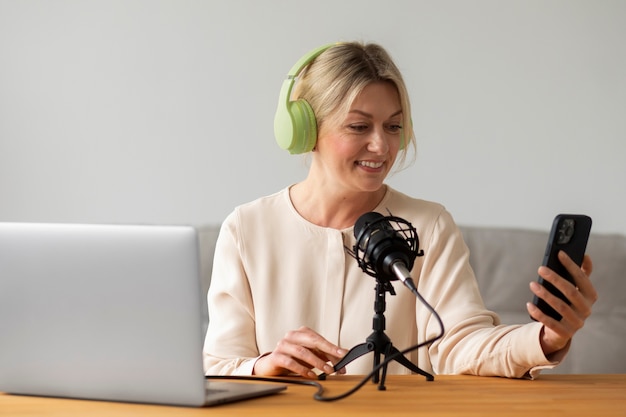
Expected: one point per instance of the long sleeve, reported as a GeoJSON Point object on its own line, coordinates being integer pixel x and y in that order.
{"type": "Point", "coordinates": [230, 345]}
{"type": "Point", "coordinates": [475, 342]}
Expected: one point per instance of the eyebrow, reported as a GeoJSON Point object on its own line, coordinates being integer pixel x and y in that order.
{"type": "Point", "coordinates": [370, 116]}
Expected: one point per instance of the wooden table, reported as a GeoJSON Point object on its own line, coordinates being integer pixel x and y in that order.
{"type": "Point", "coordinates": [411, 395]}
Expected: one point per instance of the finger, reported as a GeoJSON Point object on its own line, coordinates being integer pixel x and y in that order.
{"type": "Point", "coordinates": [328, 358]}
{"type": "Point", "coordinates": [587, 265]}
{"type": "Point", "coordinates": [280, 363]}
{"type": "Point", "coordinates": [554, 336]}
{"type": "Point", "coordinates": [307, 337]}
{"type": "Point", "coordinates": [580, 275]}
{"type": "Point", "coordinates": [570, 319]}
{"type": "Point", "coordinates": [303, 356]}
{"type": "Point", "coordinates": [567, 288]}
{"type": "Point", "coordinates": [556, 326]}
{"type": "Point", "coordinates": [568, 316]}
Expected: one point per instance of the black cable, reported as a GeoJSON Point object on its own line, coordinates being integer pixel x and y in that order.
{"type": "Point", "coordinates": [312, 383]}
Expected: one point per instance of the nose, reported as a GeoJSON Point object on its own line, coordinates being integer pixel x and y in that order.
{"type": "Point", "coordinates": [378, 142]}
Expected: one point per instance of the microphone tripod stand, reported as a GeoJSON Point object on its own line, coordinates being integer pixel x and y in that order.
{"type": "Point", "coordinates": [379, 343]}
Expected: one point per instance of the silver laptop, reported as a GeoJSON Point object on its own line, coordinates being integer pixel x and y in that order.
{"type": "Point", "coordinates": [106, 312]}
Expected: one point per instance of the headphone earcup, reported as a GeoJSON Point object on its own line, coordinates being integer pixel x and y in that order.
{"type": "Point", "coordinates": [304, 127]}
{"type": "Point", "coordinates": [295, 127]}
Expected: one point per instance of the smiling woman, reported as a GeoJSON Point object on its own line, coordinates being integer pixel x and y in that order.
{"type": "Point", "coordinates": [274, 311]}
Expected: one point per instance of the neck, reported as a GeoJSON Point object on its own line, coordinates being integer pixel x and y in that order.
{"type": "Point", "coordinates": [337, 210]}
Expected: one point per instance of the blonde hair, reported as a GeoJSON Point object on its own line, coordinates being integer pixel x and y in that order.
{"type": "Point", "coordinates": [332, 81]}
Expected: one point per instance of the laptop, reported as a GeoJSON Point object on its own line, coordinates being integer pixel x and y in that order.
{"type": "Point", "coordinates": [106, 312]}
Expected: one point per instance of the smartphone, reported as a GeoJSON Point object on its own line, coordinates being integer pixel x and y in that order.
{"type": "Point", "coordinates": [569, 233]}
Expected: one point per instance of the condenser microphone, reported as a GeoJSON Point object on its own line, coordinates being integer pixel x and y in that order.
{"type": "Point", "coordinates": [385, 252]}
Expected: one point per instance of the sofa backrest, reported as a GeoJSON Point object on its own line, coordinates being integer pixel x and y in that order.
{"type": "Point", "coordinates": [505, 262]}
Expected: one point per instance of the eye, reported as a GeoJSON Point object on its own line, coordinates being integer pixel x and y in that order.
{"type": "Point", "coordinates": [358, 127]}
{"type": "Point", "coordinates": [394, 127]}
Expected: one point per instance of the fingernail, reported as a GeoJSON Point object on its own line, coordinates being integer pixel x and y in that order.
{"type": "Point", "coordinates": [329, 369]}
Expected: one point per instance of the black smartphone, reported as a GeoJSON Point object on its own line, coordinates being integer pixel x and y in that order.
{"type": "Point", "coordinates": [569, 233]}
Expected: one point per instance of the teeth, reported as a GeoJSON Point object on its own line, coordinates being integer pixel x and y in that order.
{"type": "Point", "coordinates": [371, 164]}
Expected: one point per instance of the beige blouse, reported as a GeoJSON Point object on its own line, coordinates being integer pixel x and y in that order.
{"type": "Point", "coordinates": [274, 272]}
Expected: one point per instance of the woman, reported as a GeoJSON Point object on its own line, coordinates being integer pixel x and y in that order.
{"type": "Point", "coordinates": [286, 298]}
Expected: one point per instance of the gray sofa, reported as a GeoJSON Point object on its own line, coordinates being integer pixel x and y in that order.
{"type": "Point", "coordinates": [505, 261]}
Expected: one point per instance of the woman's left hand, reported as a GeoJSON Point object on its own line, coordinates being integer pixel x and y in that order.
{"type": "Point", "coordinates": [556, 335]}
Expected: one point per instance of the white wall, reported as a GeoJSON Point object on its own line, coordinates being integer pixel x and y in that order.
{"type": "Point", "coordinates": [161, 111]}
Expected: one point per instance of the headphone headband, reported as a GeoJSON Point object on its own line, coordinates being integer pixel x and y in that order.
{"type": "Point", "coordinates": [306, 60]}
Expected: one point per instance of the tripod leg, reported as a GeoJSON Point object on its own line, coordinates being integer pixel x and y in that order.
{"type": "Point", "coordinates": [408, 364]}
{"type": "Point", "coordinates": [381, 386]}
{"type": "Point", "coordinates": [375, 377]}
{"type": "Point", "coordinates": [355, 352]}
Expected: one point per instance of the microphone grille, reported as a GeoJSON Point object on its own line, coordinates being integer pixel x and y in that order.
{"type": "Point", "coordinates": [364, 221]}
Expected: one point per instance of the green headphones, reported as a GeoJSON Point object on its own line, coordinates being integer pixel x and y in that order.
{"type": "Point", "coordinates": [295, 127]}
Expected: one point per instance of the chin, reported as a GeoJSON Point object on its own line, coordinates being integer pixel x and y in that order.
{"type": "Point", "coordinates": [371, 188]}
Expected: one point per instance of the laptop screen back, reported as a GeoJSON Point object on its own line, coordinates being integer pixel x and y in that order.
{"type": "Point", "coordinates": [101, 312]}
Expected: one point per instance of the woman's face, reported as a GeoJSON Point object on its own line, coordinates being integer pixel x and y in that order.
{"type": "Point", "coordinates": [356, 152]}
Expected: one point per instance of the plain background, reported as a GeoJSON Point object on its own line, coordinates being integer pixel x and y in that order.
{"type": "Point", "coordinates": [155, 111]}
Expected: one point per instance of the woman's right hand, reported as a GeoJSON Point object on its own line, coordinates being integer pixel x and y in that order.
{"type": "Point", "coordinates": [299, 352]}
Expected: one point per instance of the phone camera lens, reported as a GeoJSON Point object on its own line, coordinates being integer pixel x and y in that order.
{"type": "Point", "coordinates": [566, 231]}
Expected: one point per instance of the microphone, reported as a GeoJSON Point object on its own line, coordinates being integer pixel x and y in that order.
{"type": "Point", "coordinates": [385, 252]}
